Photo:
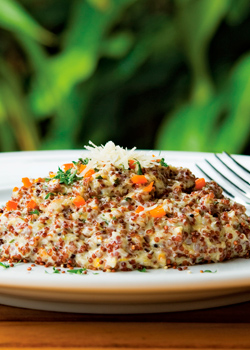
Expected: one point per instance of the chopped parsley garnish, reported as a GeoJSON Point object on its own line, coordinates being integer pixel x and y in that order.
{"type": "Point", "coordinates": [74, 162]}
{"type": "Point", "coordinates": [209, 271]}
{"type": "Point", "coordinates": [142, 270]}
{"type": "Point", "coordinates": [162, 162]}
{"type": "Point", "coordinates": [139, 171]}
{"type": "Point", "coordinates": [114, 218]}
{"type": "Point", "coordinates": [67, 177]}
{"type": "Point", "coordinates": [55, 270]}
{"type": "Point", "coordinates": [96, 170]}
{"type": "Point", "coordinates": [128, 199]}
{"type": "Point", "coordinates": [95, 273]}
{"type": "Point", "coordinates": [106, 222]}
{"type": "Point", "coordinates": [12, 241]}
{"type": "Point", "coordinates": [117, 181]}
{"type": "Point", "coordinates": [99, 177]}
{"type": "Point", "coordinates": [6, 266]}
{"type": "Point", "coordinates": [76, 271]}
{"type": "Point", "coordinates": [34, 212]}
{"type": "Point", "coordinates": [84, 161]}
{"type": "Point", "coordinates": [49, 194]}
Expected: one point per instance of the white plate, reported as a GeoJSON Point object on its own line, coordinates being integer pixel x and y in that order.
{"type": "Point", "coordinates": [120, 292]}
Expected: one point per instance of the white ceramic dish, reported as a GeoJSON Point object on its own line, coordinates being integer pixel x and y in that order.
{"type": "Point", "coordinates": [120, 292]}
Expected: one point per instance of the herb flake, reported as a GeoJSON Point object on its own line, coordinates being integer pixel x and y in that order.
{"type": "Point", "coordinates": [76, 271]}
{"type": "Point", "coordinates": [139, 171]}
{"type": "Point", "coordinates": [209, 271]}
{"type": "Point", "coordinates": [55, 270]}
{"type": "Point", "coordinates": [49, 194]}
{"type": "Point", "coordinates": [84, 161]}
{"type": "Point", "coordinates": [117, 181]}
{"type": "Point", "coordinates": [142, 270]}
{"type": "Point", "coordinates": [34, 212]}
{"type": "Point", "coordinates": [162, 162]}
{"type": "Point", "coordinates": [67, 177]}
{"type": "Point", "coordinates": [5, 266]}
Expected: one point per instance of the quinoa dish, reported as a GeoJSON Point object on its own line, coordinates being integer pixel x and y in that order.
{"type": "Point", "coordinates": [121, 210]}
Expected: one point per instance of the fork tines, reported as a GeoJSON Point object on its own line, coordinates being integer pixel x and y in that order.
{"type": "Point", "coordinates": [228, 175]}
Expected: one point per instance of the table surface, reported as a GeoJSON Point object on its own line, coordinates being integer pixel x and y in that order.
{"type": "Point", "coordinates": [219, 328]}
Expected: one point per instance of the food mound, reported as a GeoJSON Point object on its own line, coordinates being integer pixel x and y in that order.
{"type": "Point", "coordinates": [121, 209]}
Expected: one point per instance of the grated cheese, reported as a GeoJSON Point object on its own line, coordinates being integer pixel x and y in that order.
{"type": "Point", "coordinates": [116, 155]}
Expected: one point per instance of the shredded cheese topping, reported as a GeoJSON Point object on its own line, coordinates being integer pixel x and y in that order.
{"type": "Point", "coordinates": [116, 155]}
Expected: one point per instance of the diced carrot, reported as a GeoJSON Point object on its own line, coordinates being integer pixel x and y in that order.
{"type": "Point", "coordinates": [131, 163]}
{"type": "Point", "coordinates": [149, 187]}
{"type": "Point", "coordinates": [157, 212]}
{"type": "Point", "coordinates": [139, 179]}
{"type": "Point", "coordinates": [79, 201]}
{"type": "Point", "coordinates": [139, 209]}
{"type": "Point", "coordinates": [15, 189]}
{"type": "Point", "coordinates": [161, 256]}
{"type": "Point", "coordinates": [51, 174]}
{"type": "Point", "coordinates": [82, 167]}
{"type": "Point", "coordinates": [200, 183]}
{"type": "Point", "coordinates": [89, 173]}
{"type": "Point", "coordinates": [31, 204]}
{"type": "Point", "coordinates": [26, 182]}
{"type": "Point", "coordinates": [11, 205]}
{"type": "Point", "coordinates": [67, 166]}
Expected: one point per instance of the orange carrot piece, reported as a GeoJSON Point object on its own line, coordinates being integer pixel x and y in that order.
{"type": "Point", "coordinates": [31, 204]}
{"type": "Point", "coordinates": [139, 179]}
{"type": "Point", "coordinates": [51, 174]}
{"type": "Point", "coordinates": [79, 201]}
{"type": "Point", "coordinates": [82, 167]}
{"type": "Point", "coordinates": [67, 166]}
{"type": "Point", "coordinates": [26, 182]}
{"type": "Point", "coordinates": [11, 205]}
{"type": "Point", "coordinates": [89, 173]}
{"type": "Point", "coordinates": [139, 209]}
{"type": "Point", "coordinates": [149, 187]}
{"type": "Point", "coordinates": [157, 212]}
{"type": "Point", "coordinates": [15, 189]}
{"type": "Point", "coordinates": [131, 163]}
{"type": "Point", "coordinates": [200, 183]}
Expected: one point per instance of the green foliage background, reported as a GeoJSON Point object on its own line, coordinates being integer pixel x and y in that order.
{"type": "Point", "coordinates": [167, 74]}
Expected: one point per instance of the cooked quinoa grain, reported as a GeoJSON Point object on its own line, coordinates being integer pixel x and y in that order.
{"type": "Point", "coordinates": [120, 210]}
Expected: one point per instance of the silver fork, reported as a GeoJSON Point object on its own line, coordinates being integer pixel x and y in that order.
{"type": "Point", "coordinates": [226, 176]}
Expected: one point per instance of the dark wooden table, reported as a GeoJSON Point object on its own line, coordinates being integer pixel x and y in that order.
{"type": "Point", "coordinates": [220, 328]}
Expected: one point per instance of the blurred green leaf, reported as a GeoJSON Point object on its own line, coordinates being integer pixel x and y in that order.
{"type": "Point", "coordinates": [16, 111]}
{"type": "Point", "coordinates": [14, 17]}
{"type": "Point", "coordinates": [118, 45]}
{"type": "Point", "coordinates": [235, 130]}
{"type": "Point", "coordinates": [78, 60]}
{"type": "Point", "coordinates": [197, 127]}
{"type": "Point", "coordinates": [190, 128]}
{"type": "Point", "coordinates": [198, 20]}
{"type": "Point", "coordinates": [238, 11]}
{"type": "Point", "coordinates": [100, 4]}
